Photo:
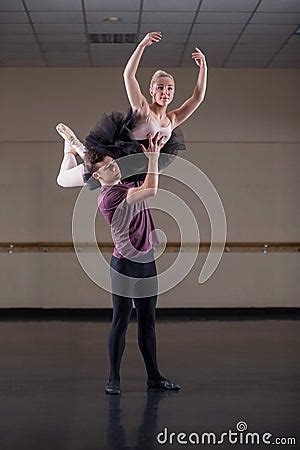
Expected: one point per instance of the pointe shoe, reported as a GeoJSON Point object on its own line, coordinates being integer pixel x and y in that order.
{"type": "Point", "coordinates": [68, 135]}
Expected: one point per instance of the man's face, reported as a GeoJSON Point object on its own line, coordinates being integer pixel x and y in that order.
{"type": "Point", "coordinates": [108, 171]}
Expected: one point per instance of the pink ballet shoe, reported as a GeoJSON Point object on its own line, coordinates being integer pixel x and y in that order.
{"type": "Point", "coordinates": [68, 135]}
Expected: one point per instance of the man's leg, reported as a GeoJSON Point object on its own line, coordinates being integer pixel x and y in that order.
{"type": "Point", "coordinates": [145, 310]}
{"type": "Point", "coordinates": [122, 308]}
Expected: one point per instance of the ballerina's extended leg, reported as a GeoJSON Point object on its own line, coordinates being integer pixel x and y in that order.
{"type": "Point", "coordinates": [70, 173]}
{"type": "Point", "coordinates": [69, 136]}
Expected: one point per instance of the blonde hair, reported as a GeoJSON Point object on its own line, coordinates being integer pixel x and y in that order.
{"type": "Point", "coordinates": [158, 74]}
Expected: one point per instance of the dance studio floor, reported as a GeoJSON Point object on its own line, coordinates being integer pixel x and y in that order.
{"type": "Point", "coordinates": [53, 375]}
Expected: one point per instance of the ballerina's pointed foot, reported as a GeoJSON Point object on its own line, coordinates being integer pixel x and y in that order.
{"type": "Point", "coordinates": [69, 136]}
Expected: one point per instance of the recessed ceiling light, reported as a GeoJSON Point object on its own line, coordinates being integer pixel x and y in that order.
{"type": "Point", "coordinates": [112, 19]}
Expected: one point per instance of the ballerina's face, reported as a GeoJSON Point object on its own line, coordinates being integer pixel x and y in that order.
{"type": "Point", "coordinates": [162, 91]}
{"type": "Point", "coordinates": [108, 171]}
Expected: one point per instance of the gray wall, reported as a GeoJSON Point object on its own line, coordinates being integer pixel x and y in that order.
{"type": "Point", "coordinates": [244, 137]}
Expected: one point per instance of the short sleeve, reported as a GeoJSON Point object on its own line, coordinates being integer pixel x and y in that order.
{"type": "Point", "coordinates": [113, 197]}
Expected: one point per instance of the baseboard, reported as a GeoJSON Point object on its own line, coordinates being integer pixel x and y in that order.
{"type": "Point", "coordinates": [105, 314]}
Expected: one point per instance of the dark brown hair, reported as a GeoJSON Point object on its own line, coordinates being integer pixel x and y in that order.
{"type": "Point", "coordinates": [91, 159]}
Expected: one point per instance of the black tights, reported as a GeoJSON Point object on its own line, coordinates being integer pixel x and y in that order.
{"type": "Point", "coordinates": [145, 310]}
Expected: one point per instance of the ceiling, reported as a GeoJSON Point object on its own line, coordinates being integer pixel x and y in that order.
{"type": "Point", "coordinates": [231, 33]}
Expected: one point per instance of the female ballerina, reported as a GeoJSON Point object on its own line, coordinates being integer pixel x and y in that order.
{"type": "Point", "coordinates": [117, 135]}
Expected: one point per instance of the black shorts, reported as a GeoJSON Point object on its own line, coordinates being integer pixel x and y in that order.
{"type": "Point", "coordinates": [134, 278]}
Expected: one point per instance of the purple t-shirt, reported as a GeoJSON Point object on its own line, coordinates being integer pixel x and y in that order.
{"type": "Point", "coordinates": [132, 226]}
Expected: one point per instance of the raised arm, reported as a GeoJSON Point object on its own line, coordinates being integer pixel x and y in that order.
{"type": "Point", "coordinates": [150, 185]}
{"type": "Point", "coordinates": [135, 96]}
{"type": "Point", "coordinates": [191, 104]}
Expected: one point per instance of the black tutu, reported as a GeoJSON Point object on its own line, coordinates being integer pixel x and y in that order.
{"type": "Point", "coordinates": [112, 137]}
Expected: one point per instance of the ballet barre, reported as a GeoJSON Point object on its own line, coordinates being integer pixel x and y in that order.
{"type": "Point", "coordinates": [170, 247]}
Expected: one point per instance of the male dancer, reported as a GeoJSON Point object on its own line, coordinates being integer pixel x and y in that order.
{"type": "Point", "coordinates": [123, 206]}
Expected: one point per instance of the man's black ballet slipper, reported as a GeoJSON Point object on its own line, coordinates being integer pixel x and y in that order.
{"type": "Point", "coordinates": [163, 384]}
{"type": "Point", "coordinates": [113, 387]}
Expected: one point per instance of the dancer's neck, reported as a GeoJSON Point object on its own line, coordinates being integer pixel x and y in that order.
{"type": "Point", "coordinates": [159, 111]}
{"type": "Point", "coordinates": [111, 184]}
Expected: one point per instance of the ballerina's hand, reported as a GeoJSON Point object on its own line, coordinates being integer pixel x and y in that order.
{"type": "Point", "coordinates": [150, 38]}
{"type": "Point", "coordinates": [199, 58]}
